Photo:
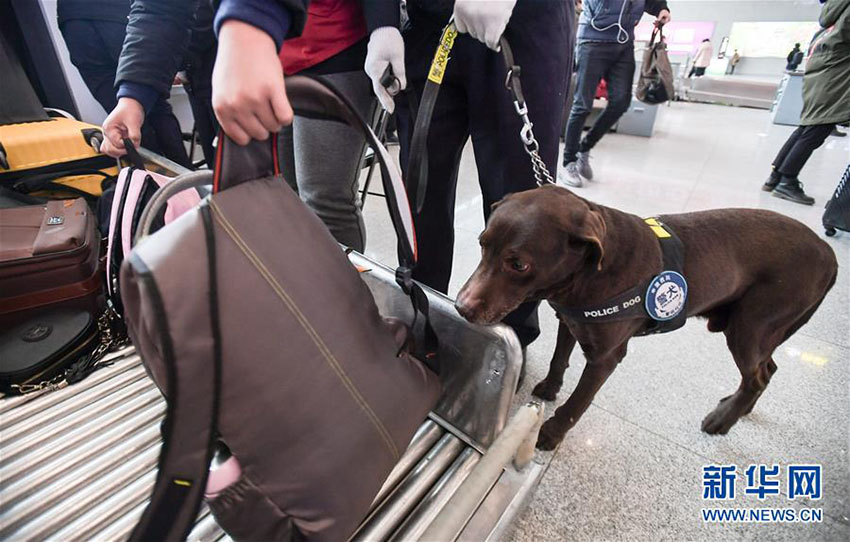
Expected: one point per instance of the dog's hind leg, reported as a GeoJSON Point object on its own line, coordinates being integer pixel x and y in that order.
{"type": "Point", "coordinates": [548, 388]}
{"type": "Point", "coordinates": [595, 373]}
{"type": "Point", "coordinates": [757, 326]}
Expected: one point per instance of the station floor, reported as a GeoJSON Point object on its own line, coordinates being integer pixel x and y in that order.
{"type": "Point", "coordinates": [631, 469]}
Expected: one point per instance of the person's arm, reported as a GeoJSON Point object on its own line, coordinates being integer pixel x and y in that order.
{"type": "Point", "coordinates": [157, 37]}
{"type": "Point", "coordinates": [379, 13]}
{"type": "Point", "coordinates": [280, 19]}
{"type": "Point", "coordinates": [249, 96]}
{"type": "Point", "coordinates": [658, 8]}
{"type": "Point", "coordinates": [386, 47]}
{"type": "Point", "coordinates": [832, 11]}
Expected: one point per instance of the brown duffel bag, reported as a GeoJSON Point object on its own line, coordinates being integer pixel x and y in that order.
{"type": "Point", "coordinates": [261, 334]}
{"type": "Point", "coordinates": [655, 81]}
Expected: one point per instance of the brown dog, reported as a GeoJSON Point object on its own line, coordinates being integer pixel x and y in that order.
{"type": "Point", "coordinates": [743, 268]}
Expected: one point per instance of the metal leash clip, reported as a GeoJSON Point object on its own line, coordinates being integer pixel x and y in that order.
{"type": "Point", "coordinates": [526, 134]}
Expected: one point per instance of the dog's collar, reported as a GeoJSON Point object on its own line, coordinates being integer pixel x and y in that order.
{"type": "Point", "coordinates": [663, 298]}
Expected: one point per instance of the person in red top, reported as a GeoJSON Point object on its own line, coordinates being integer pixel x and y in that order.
{"type": "Point", "coordinates": [259, 42]}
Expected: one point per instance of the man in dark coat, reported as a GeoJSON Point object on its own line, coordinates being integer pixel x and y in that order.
{"type": "Point", "coordinates": [94, 32]}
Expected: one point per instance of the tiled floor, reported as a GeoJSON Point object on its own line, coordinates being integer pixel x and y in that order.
{"type": "Point", "coordinates": [631, 469]}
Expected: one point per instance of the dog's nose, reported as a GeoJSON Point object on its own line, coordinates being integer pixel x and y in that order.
{"type": "Point", "coordinates": [465, 307]}
{"type": "Point", "coordinates": [464, 310]}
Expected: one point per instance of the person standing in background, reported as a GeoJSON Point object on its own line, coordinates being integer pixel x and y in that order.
{"type": "Point", "coordinates": [702, 58]}
{"type": "Point", "coordinates": [733, 62]}
{"type": "Point", "coordinates": [826, 102]}
{"type": "Point", "coordinates": [794, 58]}
{"type": "Point", "coordinates": [606, 50]}
{"type": "Point", "coordinates": [94, 32]}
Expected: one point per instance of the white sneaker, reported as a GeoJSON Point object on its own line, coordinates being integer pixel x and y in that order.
{"type": "Point", "coordinates": [584, 169]}
{"type": "Point", "coordinates": [569, 176]}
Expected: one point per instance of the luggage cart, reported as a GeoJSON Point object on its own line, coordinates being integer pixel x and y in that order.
{"type": "Point", "coordinates": [79, 463]}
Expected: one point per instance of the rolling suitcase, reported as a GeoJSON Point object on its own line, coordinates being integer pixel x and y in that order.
{"type": "Point", "coordinates": [54, 157]}
{"type": "Point", "coordinates": [836, 216]}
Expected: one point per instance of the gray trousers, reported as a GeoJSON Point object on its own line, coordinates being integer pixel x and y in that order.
{"type": "Point", "coordinates": [321, 161]}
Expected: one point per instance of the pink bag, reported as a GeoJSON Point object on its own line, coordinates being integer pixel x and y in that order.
{"type": "Point", "coordinates": [133, 190]}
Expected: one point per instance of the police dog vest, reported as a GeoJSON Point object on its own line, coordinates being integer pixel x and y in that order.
{"type": "Point", "coordinates": [663, 298]}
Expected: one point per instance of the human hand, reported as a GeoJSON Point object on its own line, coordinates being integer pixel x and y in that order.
{"type": "Point", "coordinates": [484, 20]}
{"type": "Point", "coordinates": [248, 93]}
{"type": "Point", "coordinates": [386, 48]}
{"type": "Point", "coordinates": [663, 17]}
{"type": "Point", "coordinates": [125, 121]}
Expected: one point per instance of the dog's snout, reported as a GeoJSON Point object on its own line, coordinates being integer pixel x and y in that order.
{"type": "Point", "coordinates": [467, 306]}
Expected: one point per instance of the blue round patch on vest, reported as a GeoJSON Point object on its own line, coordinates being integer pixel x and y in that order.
{"type": "Point", "coordinates": [666, 296]}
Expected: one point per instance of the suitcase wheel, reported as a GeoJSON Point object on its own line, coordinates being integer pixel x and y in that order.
{"type": "Point", "coordinates": [829, 231]}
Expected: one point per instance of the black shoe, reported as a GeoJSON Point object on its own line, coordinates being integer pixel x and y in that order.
{"type": "Point", "coordinates": [771, 181]}
{"type": "Point", "coordinates": [792, 189]}
{"type": "Point", "coordinates": [837, 133]}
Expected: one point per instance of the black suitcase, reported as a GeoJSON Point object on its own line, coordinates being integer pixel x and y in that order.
{"type": "Point", "coordinates": [836, 216]}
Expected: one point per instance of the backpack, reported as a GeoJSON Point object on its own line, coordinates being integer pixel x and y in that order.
{"type": "Point", "coordinates": [655, 85]}
{"type": "Point", "coordinates": [132, 192]}
{"type": "Point", "coordinates": [262, 336]}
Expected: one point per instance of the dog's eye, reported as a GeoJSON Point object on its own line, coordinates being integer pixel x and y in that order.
{"type": "Point", "coordinates": [518, 265]}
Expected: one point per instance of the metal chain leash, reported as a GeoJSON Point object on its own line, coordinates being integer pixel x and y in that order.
{"type": "Point", "coordinates": [532, 147]}
{"type": "Point", "coordinates": [87, 364]}
{"type": "Point", "coordinates": [526, 134]}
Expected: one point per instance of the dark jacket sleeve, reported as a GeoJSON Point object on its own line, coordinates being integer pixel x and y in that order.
{"type": "Point", "coordinates": [157, 37]}
{"type": "Point", "coordinates": [380, 13]}
{"type": "Point", "coordinates": [158, 33]}
{"type": "Point", "coordinates": [654, 7]}
{"type": "Point", "coordinates": [280, 19]}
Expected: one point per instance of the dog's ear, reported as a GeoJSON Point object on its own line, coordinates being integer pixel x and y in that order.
{"type": "Point", "coordinates": [593, 231]}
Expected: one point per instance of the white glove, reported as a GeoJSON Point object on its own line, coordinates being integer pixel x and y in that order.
{"type": "Point", "coordinates": [484, 20]}
{"type": "Point", "coordinates": [386, 48]}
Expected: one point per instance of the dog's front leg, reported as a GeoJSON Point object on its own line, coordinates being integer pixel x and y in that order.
{"type": "Point", "coordinates": [595, 373]}
{"type": "Point", "coordinates": [548, 388]}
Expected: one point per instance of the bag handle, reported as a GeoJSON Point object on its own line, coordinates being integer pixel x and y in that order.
{"type": "Point", "coordinates": [133, 155]}
{"type": "Point", "coordinates": [313, 98]}
{"type": "Point", "coordinates": [656, 31]}
{"type": "Point", "coordinates": [187, 181]}
{"type": "Point", "coordinates": [317, 98]}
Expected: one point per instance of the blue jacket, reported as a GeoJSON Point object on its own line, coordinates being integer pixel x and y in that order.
{"type": "Point", "coordinates": [614, 20]}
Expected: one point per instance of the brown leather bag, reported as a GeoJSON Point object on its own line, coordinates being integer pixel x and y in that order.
{"type": "Point", "coordinates": [49, 257]}
{"type": "Point", "coordinates": [260, 333]}
{"type": "Point", "coordinates": [655, 81]}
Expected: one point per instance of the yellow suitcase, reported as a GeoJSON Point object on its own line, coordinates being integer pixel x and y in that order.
{"type": "Point", "coordinates": [54, 157]}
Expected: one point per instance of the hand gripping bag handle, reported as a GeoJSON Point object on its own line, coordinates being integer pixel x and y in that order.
{"type": "Point", "coordinates": [313, 98]}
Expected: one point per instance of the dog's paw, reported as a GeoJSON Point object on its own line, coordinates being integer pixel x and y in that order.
{"type": "Point", "coordinates": [549, 437]}
{"type": "Point", "coordinates": [544, 391]}
{"type": "Point", "coordinates": [720, 420]}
